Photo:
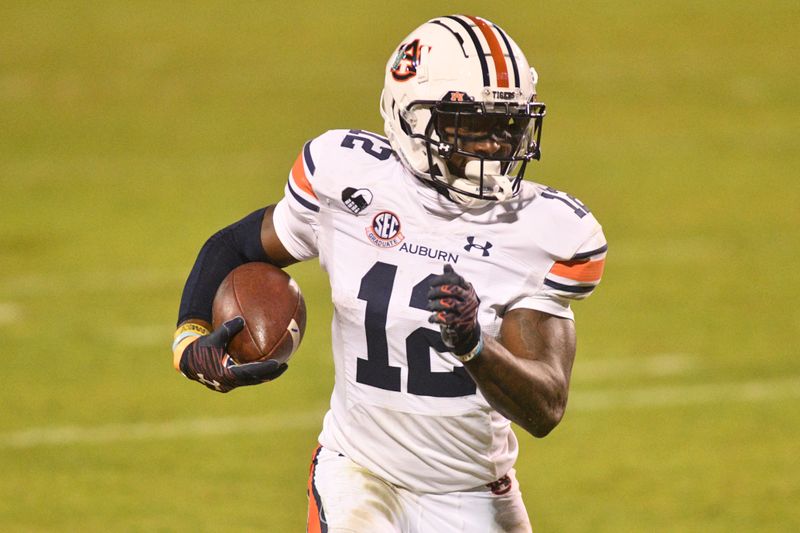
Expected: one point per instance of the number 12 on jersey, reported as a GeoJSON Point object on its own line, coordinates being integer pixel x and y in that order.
{"type": "Point", "coordinates": [376, 289]}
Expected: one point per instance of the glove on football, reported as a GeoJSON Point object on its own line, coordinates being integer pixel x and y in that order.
{"type": "Point", "coordinates": [455, 308]}
{"type": "Point", "coordinates": [206, 361]}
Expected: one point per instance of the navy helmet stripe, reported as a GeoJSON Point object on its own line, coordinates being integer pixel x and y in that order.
{"type": "Point", "coordinates": [510, 55]}
{"type": "Point", "coordinates": [478, 48]}
{"type": "Point", "coordinates": [307, 157]}
{"type": "Point", "coordinates": [457, 36]}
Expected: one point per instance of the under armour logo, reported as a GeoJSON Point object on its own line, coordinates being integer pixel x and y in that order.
{"type": "Point", "coordinates": [214, 383]}
{"type": "Point", "coordinates": [484, 247]}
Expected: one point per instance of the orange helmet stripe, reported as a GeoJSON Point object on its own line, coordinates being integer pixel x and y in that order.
{"type": "Point", "coordinates": [494, 47]}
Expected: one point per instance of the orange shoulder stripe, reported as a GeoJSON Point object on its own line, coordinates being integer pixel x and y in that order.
{"type": "Point", "coordinates": [585, 271]}
{"type": "Point", "coordinates": [299, 175]}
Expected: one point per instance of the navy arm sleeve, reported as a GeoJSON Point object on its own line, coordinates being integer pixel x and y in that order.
{"type": "Point", "coordinates": [230, 247]}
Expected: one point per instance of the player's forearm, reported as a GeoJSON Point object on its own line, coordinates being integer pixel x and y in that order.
{"type": "Point", "coordinates": [528, 392]}
{"type": "Point", "coordinates": [225, 250]}
{"type": "Point", "coordinates": [230, 247]}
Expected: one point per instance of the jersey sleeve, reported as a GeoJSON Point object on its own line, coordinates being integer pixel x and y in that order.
{"type": "Point", "coordinates": [296, 217]}
{"type": "Point", "coordinates": [570, 278]}
{"type": "Point", "coordinates": [577, 277]}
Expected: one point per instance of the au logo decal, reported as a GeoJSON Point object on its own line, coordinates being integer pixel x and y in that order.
{"type": "Point", "coordinates": [405, 63]}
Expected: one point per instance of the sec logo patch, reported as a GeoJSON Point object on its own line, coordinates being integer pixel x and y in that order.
{"type": "Point", "coordinates": [384, 231]}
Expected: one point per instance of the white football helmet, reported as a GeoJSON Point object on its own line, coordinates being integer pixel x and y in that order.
{"type": "Point", "coordinates": [454, 83]}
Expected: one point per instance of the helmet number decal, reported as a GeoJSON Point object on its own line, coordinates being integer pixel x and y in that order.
{"type": "Point", "coordinates": [405, 63]}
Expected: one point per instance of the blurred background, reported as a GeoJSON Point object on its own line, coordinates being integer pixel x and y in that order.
{"type": "Point", "coordinates": [131, 131]}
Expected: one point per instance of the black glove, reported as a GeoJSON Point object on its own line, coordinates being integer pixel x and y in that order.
{"type": "Point", "coordinates": [455, 308]}
{"type": "Point", "coordinates": [205, 360]}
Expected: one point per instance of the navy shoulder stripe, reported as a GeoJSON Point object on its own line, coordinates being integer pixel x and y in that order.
{"type": "Point", "coordinates": [307, 158]}
{"type": "Point", "coordinates": [303, 201]}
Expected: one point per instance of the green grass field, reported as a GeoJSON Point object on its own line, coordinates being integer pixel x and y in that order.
{"type": "Point", "coordinates": [131, 131]}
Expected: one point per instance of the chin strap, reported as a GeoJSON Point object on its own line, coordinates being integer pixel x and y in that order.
{"type": "Point", "coordinates": [497, 185]}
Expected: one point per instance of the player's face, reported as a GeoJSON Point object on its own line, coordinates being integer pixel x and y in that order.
{"type": "Point", "coordinates": [492, 136]}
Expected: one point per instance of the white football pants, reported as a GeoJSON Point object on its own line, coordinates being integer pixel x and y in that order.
{"type": "Point", "coordinates": [346, 498]}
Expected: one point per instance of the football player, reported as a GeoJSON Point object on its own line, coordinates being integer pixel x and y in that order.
{"type": "Point", "coordinates": [451, 280]}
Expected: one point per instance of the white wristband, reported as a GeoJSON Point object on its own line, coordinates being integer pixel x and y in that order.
{"type": "Point", "coordinates": [473, 353]}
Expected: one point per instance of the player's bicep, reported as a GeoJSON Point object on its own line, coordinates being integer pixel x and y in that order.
{"type": "Point", "coordinates": [295, 219]}
{"type": "Point", "coordinates": [273, 247]}
{"type": "Point", "coordinates": [535, 335]}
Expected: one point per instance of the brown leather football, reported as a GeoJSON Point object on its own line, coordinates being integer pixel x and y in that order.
{"type": "Point", "coordinates": [273, 309]}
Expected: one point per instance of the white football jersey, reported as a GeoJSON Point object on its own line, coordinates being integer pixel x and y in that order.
{"type": "Point", "coordinates": [402, 405]}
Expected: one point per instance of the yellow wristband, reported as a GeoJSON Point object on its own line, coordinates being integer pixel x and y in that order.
{"type": "Point", "coordinates": [190, 327]}
{"type": "Point", "coordinates": [185, 335]}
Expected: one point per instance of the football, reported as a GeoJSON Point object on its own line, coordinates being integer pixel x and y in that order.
{"type": "Point", "coordinates": [273, 309]}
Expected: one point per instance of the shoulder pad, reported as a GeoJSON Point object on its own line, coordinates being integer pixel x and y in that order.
{"type": "Point", "coordinates": [352, 146]}
{"type": "Point", "coordinates": [323, 158]}
{"type": "Point", "coordinates": [566, 222]}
